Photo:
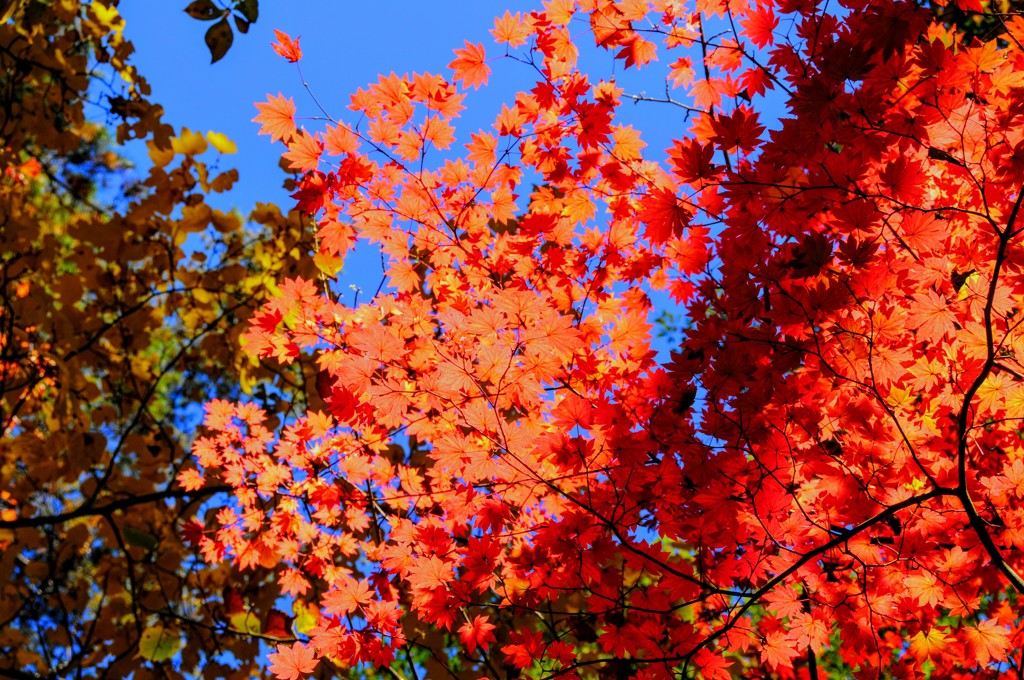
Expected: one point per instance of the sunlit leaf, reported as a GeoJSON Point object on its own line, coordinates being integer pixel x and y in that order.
{"type": "Point", "coordinates": [221, 142]}
{"type": "Point", "coordinates": [159, 644]}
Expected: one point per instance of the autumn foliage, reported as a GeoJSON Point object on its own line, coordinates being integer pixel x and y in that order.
{"type": "Point", "coordinates": [825, 478]}
{"type": "Point", "coordinates": [122, 300]}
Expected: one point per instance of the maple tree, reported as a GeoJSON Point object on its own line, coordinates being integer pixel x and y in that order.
{"type": "Point", "coordinates": [121, 299]}
{"type": "Point", "coordinates": [824, 479]}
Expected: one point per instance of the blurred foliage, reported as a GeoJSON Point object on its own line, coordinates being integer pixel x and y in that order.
{"type": "Point", "coordinates": [984, 25]}
{"type": "Point", "coordinates": [123, 298]}
{"type": "Point", "coordinates": [220, 35]}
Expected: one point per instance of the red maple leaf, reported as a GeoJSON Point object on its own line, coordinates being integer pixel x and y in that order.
{"type": "Point", "coordinates": [760, 27]}
{"type": "Point", "coordinates": [713, 666]}
{"type": "Point", "coordinates": [286, 47]}
{"type": "Point", "coordinates": [477, 633]}
{"type": "Point", "coordinates": [665, 215]}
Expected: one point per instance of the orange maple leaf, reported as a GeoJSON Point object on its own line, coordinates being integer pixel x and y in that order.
{"type": "Point", "coordinates": [925, 587]}
{"type": "Point", "coordinates": [638, 52]}
{"type": "Point", "coordinates": [339, 140]}
{"type": "Point", "coordinates": [933, 643]}
{"type": "Point", "coordinates": [989, 641]}
{"type": "Point", "coordinates": [777, 651]}
{"type": "Point", "coordinates": [303, 152]}
{"type": "Point", "coordinates": [681, 72]}
{"type": "Point", "coordinates": [438, 132]}
{"type": "Point", "coordinates": [559, 11]}
{"type": "Point", "coordinates": [470, 67]}
{"type": "Point", "coordinates": [191, 479]}
{"type": "Point", "coordinates": [286, 47]}
{"type": "Point", "coordinates": [512, 29]}
{"type": "Point", "coordinates": [707, 93]}
{"type": "Point", "coordinates": [430, 572]}
{"type": "Point", "coordinates": [292, 663]}
{"type": "Point", "coordinates": [276, 117]}
{"type": "Point", "coordinates": [293, 582]}
{"type": "Point", "coordinates": [352, 595]}
{"type": "Point", "coordinates": [932, 317]}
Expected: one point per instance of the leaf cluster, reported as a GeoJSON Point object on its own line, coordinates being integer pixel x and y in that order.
{"type": "Point", "coordinates": [825, 477]}
{"type": "Point", "coordinates": [121, 301]}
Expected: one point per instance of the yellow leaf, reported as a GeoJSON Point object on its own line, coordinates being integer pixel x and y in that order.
{"type": "Point", "coordinates": [916, 484]}
{"type": "Point", "coordinates": [927, 645]}
{"type": "Point", "coordinates": [221, 142]}
{"type": "Point", "coordinates": [901, 397]}
{"type": "Point", "coordinates": [246, 381]}
{"type": "Point", "coordinates": [245, 622]}
{"type": "Point", "coordinates": [328, 264]}
{"type": "Point", "coordinates": [189, 143]}
{"type": "Point", "coordinates": [7, 11]}
{"type": "Point", "coordinates": [158, 643]}
{"type": "Point", "coordinates": [107, 16]}
{"type": "Point", "coordinates": [305, 617]}
{"type": "Point", "coordinates": [969, 286]}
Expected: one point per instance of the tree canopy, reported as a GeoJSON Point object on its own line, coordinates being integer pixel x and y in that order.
{"type": "Point", "coordinates": [122, 299]}
{"type": "Point", "coordinates": [490, 468]}
{"type": "Point", "coordinates": [507, 479]}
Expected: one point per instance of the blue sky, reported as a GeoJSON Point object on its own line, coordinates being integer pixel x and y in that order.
{"type": "Point", "coordinates": [345, 44]}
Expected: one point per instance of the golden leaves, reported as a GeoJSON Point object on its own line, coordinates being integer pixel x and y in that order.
{"type": "Point", "coordinates": [221, 142]}
{"type": "Point", "coordinates": [115, 319]}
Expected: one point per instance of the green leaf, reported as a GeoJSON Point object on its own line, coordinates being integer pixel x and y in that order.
{"type": "Point", "coordinates": [159, 644]}
{"type": "Point", "coordinates": [219, 39]}
{"type": "Point", "coordinates": [204, 10]}
{"type": "Point", "coordinates": [250, 9]}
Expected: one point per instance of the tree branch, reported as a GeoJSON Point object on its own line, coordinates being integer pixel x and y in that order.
{"type": "Point", "coordinates": [91, 510]}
